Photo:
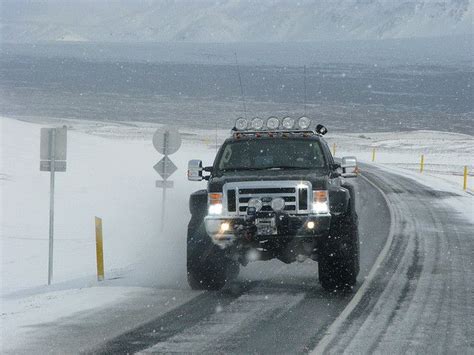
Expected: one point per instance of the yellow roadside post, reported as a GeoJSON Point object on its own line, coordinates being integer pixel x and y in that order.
{"type": "Point", "coordinates": [373, 154]}
{"type": "Point", "coordinates": [422, 163]}
{"type": "Point", "coordinates": [334, 149]}
{"type": "Point", "coordinates": [99, 249]}
{"type": "Point", "coordinates": [464, 185]}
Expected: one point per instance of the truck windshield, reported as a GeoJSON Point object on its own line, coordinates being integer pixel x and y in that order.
{"type": "Point", "coordinates": [262, 154]}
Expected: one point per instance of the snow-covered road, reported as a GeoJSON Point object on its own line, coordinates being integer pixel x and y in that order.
{"type": "Point", "coordinates": [414, 292]}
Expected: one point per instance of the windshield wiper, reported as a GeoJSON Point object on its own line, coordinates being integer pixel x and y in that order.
{"type": "Point", "coordinates": [279, 167]}
{"type": "Point", "coordinates": [240, 168]}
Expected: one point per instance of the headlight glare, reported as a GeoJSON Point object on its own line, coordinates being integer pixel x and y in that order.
{"type": "Point", "coordinates": [215, 209]}
{"type": "Point", "coordinates": [320, 202]}
{"type": "Point", "coordinates": [215, 203]}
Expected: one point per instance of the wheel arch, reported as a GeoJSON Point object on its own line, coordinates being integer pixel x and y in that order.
{"type": "Point", "coordinates": [198, 202]}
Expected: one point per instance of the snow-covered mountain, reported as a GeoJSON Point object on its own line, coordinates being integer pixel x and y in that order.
{"type": "Point", "coordinates": [231, 20]}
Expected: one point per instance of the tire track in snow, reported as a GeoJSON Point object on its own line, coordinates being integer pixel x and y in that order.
{"type": "Point", "coordinates": [420, 300]}
{"type": "Point", "coordinates": [209, 333]}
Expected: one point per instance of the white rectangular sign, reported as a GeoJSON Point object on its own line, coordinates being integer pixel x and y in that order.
{"type": "Point", "coordinates": [162, 184]}
{"type": "Point", "coordinates": [60, 143]}
{"type": "Point", "coordinates": [59, 165]}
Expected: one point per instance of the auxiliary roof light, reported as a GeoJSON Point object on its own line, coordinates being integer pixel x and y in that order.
{"type": "Point", "coordinates": [241, 124]}
{"type": "Point", "coordinates": [304, 122]}
{"type": "Point", "coordinates": [273, 123]}
{"type": "Point", "coordinates": [320, 129]}
{"type": "Point", "coordinates": [257, 123]}
{"type": "Point", "coordinates": [288, 122]}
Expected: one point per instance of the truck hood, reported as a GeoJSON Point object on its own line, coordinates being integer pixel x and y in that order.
{"type": "Point", "coordinates": [317, 178]}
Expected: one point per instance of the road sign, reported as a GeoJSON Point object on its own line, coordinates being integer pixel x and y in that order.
{"type": "Point", "coordinates": [59, 165]}
{"type": "Point", "coordinates": [165, 167]}
{"type": "Point", "coordinates": [53, 148]}
{"type": "Point", "coordinates": [60, 143]}
{"type": "Point", "coordinates": [167, 140]}
{"type": "Point", "coordinates": [164, 184]}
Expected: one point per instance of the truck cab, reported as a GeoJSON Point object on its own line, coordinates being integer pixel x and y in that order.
{"type": "Point", "coordinates": [274, 191]}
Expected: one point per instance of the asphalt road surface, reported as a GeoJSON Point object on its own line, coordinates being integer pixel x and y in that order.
{"type": "Point", "coordinates": [414, 294]}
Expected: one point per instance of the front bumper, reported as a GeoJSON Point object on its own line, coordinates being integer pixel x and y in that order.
{"type": "Point", "coordinates": [227, 230]}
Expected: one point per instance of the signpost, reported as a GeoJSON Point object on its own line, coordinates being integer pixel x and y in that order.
{"type": "Point", "coordinates": [53, 148]}
{"type": "Point", "coordinates": [166, 141]}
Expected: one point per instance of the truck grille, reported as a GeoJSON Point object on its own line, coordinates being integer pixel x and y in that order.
{"type": "Point", "coordinates": [295, 194]}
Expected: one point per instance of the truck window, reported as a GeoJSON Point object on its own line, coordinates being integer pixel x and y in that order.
{"type": "Point", "coordinates": [272, 153]}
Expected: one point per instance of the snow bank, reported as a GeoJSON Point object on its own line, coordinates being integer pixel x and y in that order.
{"type": "Point", "coordinates": [445, 154]}
{"type": "Point", "coordinates": [113, 179]}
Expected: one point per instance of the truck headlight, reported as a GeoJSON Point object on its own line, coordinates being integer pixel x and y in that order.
{"type": "Point", "coordinates": [278, 204]}
{"type": "Point", "coordinates": [215, 203]}
{"type": "Point", "coordinates": [320, 202]}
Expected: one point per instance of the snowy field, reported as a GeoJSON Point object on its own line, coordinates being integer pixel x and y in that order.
{"type": "Point", "coordinates": [110, 175]}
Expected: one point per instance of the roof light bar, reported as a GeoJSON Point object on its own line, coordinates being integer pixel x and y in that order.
{"type": "Point", "coordinates": [241, 124]}
{"type": "Point", "coordinates": [288, 122]}
{"type": "Point", "coordinates": [273, 123]}
{"type": "Point", "coordinates": [304, 122]}
{"type": "Point", "coordinates": [257, 123]}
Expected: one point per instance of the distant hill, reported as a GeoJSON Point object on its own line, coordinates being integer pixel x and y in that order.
{"type": "Point", "coordinates": [231, 20]}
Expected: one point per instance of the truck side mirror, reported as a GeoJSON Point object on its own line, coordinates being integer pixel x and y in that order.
{"type": "Point", "coordinates": [349, 167]}
{"type": "Point", "coordinates": [195, 170]}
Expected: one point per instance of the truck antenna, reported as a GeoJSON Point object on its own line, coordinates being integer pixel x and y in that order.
{"type": "Point", "coordinates": [304, 81]}
{"type": "Point", "coordinates": [241, 86]}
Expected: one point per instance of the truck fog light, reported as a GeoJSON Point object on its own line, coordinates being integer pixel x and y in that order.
{"type": "Point", "coordinates": [278, 204]}
{"type": "Point", "coordinates": [225, 227]}
{"type": "Point", "coordinates": [310, 225]}
{"type": "Point", "coordinates": [256, 203]}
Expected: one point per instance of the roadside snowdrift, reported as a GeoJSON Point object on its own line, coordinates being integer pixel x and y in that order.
{"type": "Point", "coordinates": [112, 179]}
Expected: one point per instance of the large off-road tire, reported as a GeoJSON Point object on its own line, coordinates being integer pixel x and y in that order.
{"type": "Point", "coordinates": [208, 267]}
{"type": "Point", "coordinates": [339, 253]}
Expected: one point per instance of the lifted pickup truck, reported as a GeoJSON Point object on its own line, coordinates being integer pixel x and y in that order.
{"type": "Point", "coordinates": [274, 191]}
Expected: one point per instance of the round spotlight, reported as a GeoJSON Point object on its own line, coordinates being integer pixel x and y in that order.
{"type": "Point", "coordinates": [273, 123]}
{"type": "Point", "coordinates": [321, 129]}
{"type": "Point", "coordinates": [278, 204]}
{"type": "Point", "coordinates": [241, 124]}
{"type": "Point", "coordinates": [255, 203]}
{"type": "Point", "coordinates": [288, 122]}
{"type": "Point", "coordinates": [257, 123]}
{"type": "Point", "coordinates": [304, 122]}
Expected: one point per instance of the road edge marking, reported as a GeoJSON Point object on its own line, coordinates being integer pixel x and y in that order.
{"type": "Point", "coordinates": [332, 331]}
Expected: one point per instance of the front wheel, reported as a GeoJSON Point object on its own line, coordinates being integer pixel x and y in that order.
{"type": "Point", "coordinates": [339, 254]}
{"type": "Point", "coordinates": [208, 267]}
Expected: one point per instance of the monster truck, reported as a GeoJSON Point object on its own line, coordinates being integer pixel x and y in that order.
{"type": "Point", "coordinates": [274, 191]}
